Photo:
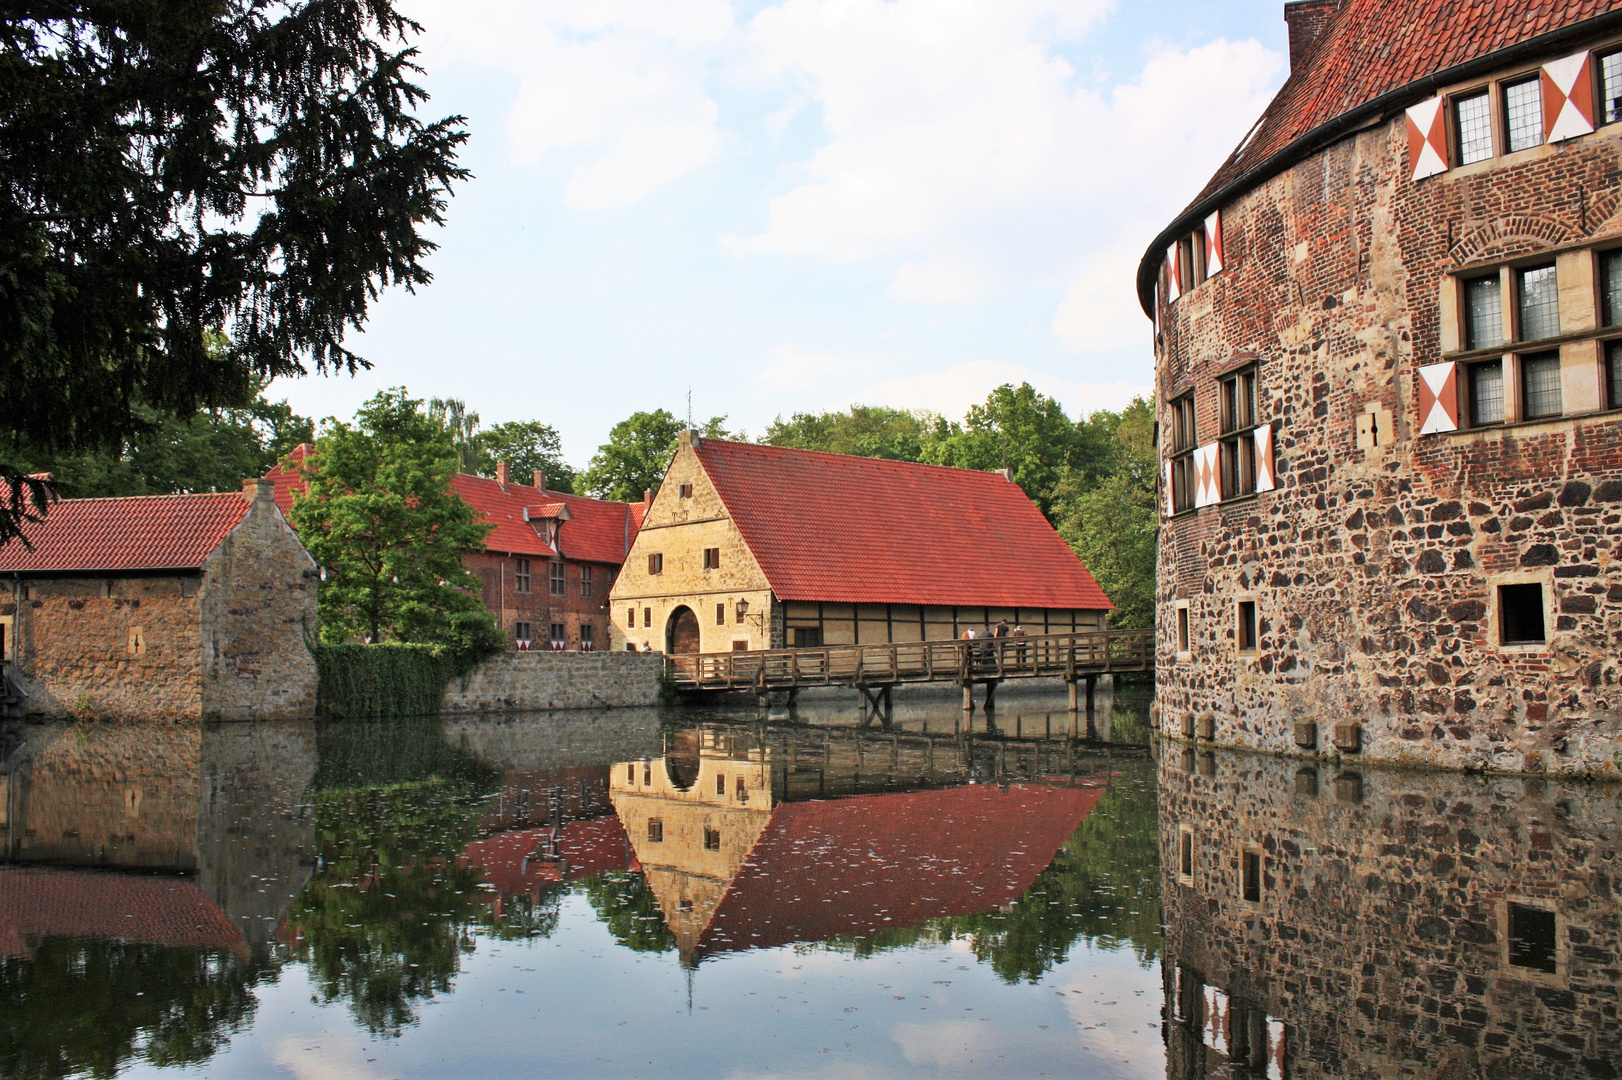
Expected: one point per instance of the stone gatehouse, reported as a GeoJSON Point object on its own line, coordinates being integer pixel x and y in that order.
{"type": "Point", "coordinates": [1388, 341]}
{"type": "Point", "coordinates": [161, 607]}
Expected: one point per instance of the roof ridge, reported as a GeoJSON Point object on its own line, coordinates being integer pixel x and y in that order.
{"type": "Point", "coordinates": [850, 457]}
{"type": "Point", "coordinates": [233, 493]}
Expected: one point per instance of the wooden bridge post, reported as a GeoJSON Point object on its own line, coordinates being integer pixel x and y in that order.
{"type": "Point", "coordinates": [1092, 684]}
{"type": "Point", "coordinates": [1075, 699]}
{"type": "Point", "coordinates": [968, 697]}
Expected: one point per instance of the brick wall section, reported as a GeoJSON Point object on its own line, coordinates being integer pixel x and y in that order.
{"type": "Point", "coordinates": [1372, 567]}
{"type": "Point", "coordinates": [523, 682]}
{"type": "Point", "coordinates": [258, 610]}
{"type": "Point", "coordinates": [538, 607]}
{"type": "Point", "coordinates": [1356, 863]}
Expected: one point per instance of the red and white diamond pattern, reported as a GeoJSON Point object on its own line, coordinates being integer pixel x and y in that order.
{"type": "Point", "coordinates": [1207, 481]}
{"type": "Point", "coordinates": [1264, 458]}
{"type": "Point", "coordinates": [1213, 244]}
{"type": "Point", "coordinates": [1438, 398]}
{"type": "Point", "coordinates": [1427, 138]}
{"type": "Point", "coordinates": [1568, 97]}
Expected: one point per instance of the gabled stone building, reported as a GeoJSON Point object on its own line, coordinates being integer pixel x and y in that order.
{"type": "Point", "coordinates": [1388, 340]}
{"type": "Point", "coordinates": [162, 607]}
{"type": "Point", "coordinates": [749, 547]}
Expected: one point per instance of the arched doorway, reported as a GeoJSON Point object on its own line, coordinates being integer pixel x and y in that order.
{"type": "Point", "coordinates": [681, 633]}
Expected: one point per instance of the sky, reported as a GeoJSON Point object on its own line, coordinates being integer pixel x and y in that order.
{"type": "Point", "coordinates": [792, 206]}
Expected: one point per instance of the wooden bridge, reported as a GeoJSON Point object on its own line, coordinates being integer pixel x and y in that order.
{"type": "Point", "coordinates": [1077, 658]}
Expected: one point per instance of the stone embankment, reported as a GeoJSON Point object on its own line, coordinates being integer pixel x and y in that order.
{"type": "Point", "coordinates": [538, 681]}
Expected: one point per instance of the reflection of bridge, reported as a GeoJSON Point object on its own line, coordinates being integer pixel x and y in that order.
{"type": "Point", "coordinates": [874, 669]}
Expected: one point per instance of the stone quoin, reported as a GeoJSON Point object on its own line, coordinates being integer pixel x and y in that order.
{"type": "Point", "coordinates": [1388, 341]}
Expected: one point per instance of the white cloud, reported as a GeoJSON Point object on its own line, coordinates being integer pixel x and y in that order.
{"type": "Point", "coordinates": [951, 391]}
{"type": "Point", "coordinates": [620, 82]}
{"type": "Point", "coordinates": [936, 281]}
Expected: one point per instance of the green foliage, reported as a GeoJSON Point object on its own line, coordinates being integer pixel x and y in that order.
{"type": "Point", "coordinates": [86, 1006]}
{"type": "Point", "coordinates": [384, 680]}
{"type": "Point", "coordinates": [1016, 429]}
{"type": "Point", "coordinates": [528, 446]}
{"type": "Point", "coordinates": [625, 904]}
{"type": "Point", "coordinates": [214, 450]}
{"type": "Point", "coordinates": [177, 168]}
{"type": "Point", "coordinates": [1111, 519]}
{"type": "Point", "coordinates": [381, 517]}
{"type": "Point", "coordinates": [634, 458]}
{"type": "Point", "coordinates": [863, 430]}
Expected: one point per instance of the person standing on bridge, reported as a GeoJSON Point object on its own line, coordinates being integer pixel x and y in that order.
{"type": "Point", "coordinates": [1019, 644]}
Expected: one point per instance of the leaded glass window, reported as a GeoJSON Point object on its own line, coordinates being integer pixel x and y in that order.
{"type": "Point", "coordinates": [1484, 313]}
{"type": "Point", "coordinates": [1540, 304]}
{"type": "Point", "coordinates": [1523, 110]}
{"type": "Point", "coordinates": [1486, 393]}
{"type": "Point", "coordinates": [1610, 83]}
{"type": "Point", "coordinates": [1473, 117]}
{"type": "Point", "coordinates": [1611, 283]}
{"type": "Point", "coordinates": [1540, 377]}
{"type": "Point", "coordinates": [1613, 373]}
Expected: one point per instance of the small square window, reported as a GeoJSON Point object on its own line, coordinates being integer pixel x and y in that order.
{"type": "Point", "coordinates": [807, 637]}
{"type": "Point", "coordinates": [1251, 867]}
{"type": "Point", "coordinates": [560, 636]}
{"type": "Point", "coordinates": [555, 579]}
{"type": "Point", "coordinates": [1473, 127]}
{"type": "Point", "coordinates": [1483, 312]}
{"type": "Point", "coordinates": [1613, 374]}
{"type": "Point", "coordinates": [647, 617]}
{"type": "Point", "coordinates": [1486, 383]}
{"type": "Point", "coordinates": [1533, 939]}
{"type": "Point", "coordinates": [1523, 113]}
{"type": "Point", "coordinates": [712, 839]}
{"type": "Point", "coordinates": [720, 783]}
{"type": "Point", "coordinates": [1185, 855]}
{"type": "Point", "coordinates": [720, 614]}
{"type": "Point", "coordinates": [656, 563]}
{"type": "Point", "coordinates": [523, 634]}
{"type": "Point", "coordinates": [712, 558]}
{"type": "Point", "coordinates": [656, 831]}
{"type": "Point", "coordinates": [1246, 630]}
{"type": "Point", "coordinates": [588, 637]}
{"type": "Point", "coordinates": [1182, 630]}
{"type": "Point", "coordinates": [1540, 385]}
{"type": "Point", "coordinates": [1539, 303]}
{"type": "Point", "coordinates": [588, 582]}
{"type": "Point", "coordinates": [685, 491]}
{"type": "Point", "coordinates": [521, 575]}
{"type": "Point", "coordinates": [630, 618]}
{"type": "Point", "coordinates": [1520, 614]}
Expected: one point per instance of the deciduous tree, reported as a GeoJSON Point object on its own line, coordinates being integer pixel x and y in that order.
{"type": "Point", "coordinates": [1110, 519]}
{"type": "Point", "coordinates": [635, 457]}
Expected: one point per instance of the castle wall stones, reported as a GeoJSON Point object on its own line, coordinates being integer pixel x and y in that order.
{"type": "Point", "coordinates": [1380, 934]}
{"type": "Point", "coordinates": [540, 681]}
{"type": "Point", "coordinates": [1375, 563]}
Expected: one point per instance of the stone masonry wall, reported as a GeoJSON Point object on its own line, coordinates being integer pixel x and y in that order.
{"type": "Point", "coordinates": [531, 681]}
{"type": "Point", "coordinates": [258, 611]}
{"type": "Point", "coordinates": [1375, 570]}
{"type": "Point", "coordinates": [1380, 937]}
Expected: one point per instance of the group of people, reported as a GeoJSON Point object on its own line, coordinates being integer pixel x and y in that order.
{"type": "Point", "coordinates": [994, 633]}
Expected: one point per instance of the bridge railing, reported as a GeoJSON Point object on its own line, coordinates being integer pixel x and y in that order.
{"type": "Point", "coordinates": [1065, 655]}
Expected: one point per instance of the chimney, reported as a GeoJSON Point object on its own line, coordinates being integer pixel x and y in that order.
{"type": "Point", "coordinates": [689, 437]}
{"type": "Point", "coordinates": [1006, 474]}
{"type": "Point", "coordinates": [259, 489]}
{"type": "Point", "coordinates": [647, 497]}
{"type": "Point", "coordinates": [1308, 19]}
{"type": "Point", "coordinates": [540, 480]}
{"type": "Point", "coordinates": [504, 473]}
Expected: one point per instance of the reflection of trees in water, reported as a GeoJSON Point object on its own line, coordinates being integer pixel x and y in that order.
{"type": "Point", "coordinates": [625, 904]}
{"type": "Point", "coordinates": [385, 919]}
{"type": "Point", "coordinates": [1103, 887]}
{"type": "Point", "coordinates": [84, 1005]}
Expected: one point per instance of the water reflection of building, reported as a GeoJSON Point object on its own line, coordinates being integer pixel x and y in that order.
{"type": "Point", "coordinates": [1387, 924]}
{"type": "Point", "coordinates": [740, 840]}
{"type": "Point", "coordinates": [222, 805]}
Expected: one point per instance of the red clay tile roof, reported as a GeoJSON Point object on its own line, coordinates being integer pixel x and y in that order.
{"type": "Point", "coordinates": [509, 861]}
{"type": "Point", "coordinates": [599, 531]}
{"type": "Point", "coordinates": [38, 902]}
{"type": "Point", "coordinates": [147, 532]}
{"type": "Point", "coordinates": [852, 866]}
{"type": "Point", "coordinates": [857, 530]}
{"type": "Point", "coordinates": [1375, 48]}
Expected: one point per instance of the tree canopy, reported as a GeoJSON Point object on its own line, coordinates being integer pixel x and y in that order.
{"type": "Point", "coordinates": [1107, 512]}
{"type": "Point", "coordinates": [177, 168]}
{"type": "Point", "coordinates": [638, 452]}
{"type": "Point", "coordinates": [872, 431]}
{"type": "Point", "coordinates": [381, 518]}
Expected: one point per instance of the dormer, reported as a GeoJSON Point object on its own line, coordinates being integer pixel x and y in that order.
{"type": "Point", "coordinates": [547, 519]}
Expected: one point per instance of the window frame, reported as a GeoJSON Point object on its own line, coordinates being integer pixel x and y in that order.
{"type": "Point", "coordinates": [1505, 86]}
{"type": "Point", "coordinates": [1545, 905]}
{"type": "Point", "coordinates": [1252, 855]}
{"type": "Point", "coordinates": [1517, 277]}
{"type": "Point", "coordinates": [712, 558]}
{"type": "Point", "coordinates": [684, 491]}
{"type": "Point", "coordinates": [523, 631]}
{"type": "Point", "coordinates": [1184, 441]}
{"type": "Point", "coordinates": [656, 563]}
{"type": "Point", "coordinates": [557, 578]}
{"type": "Point", "coordinates": [522, 575]}
{"type": "Point", "coordinates": [1467, 325]}
{"type": "Point", "coordinates": [1611, 358]}
{"type": "Point", "coordinates": [1495, 609]}
{"type": "Point", "coordinates": [1523, 385]}
{"type": "Point", "coordinates": [720, 614]}
{"type": "Point", "coordinates": [588, 582]}
{"type": "Point", "coordinates": [1187, 856]}
{"type": "Point", "coordinates": [1469, 420]}
{"type": "Point", "coordinates": [554, 634]}
{"type": "Point", "coordinates": [1184, 630]}
{"type": "Point", "coordinates": [1236, 454]}
{"type": "Point", "coordinates": [1240, 625]}
{"type": "Point", "coordinates": [1455, 125]}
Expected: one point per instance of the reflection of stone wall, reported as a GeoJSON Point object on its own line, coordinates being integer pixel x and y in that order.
{"type": "Point", "coordinates": [557, 741]}
{"type": "Point", "coordinates": [106, 795]}
{"type": "Point", "coordinates": [256, 821]}
{"type": "Point", "coordinates": [1380, 936]}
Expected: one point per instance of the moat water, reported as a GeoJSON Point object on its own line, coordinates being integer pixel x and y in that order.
{"type": "Point", "coordinates": [680, 893]}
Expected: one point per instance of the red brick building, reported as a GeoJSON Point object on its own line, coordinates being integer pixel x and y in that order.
{"type": "Point", "coordinates": [1388, 340]}
{"type": "Point", "coordinates": [548, 563]}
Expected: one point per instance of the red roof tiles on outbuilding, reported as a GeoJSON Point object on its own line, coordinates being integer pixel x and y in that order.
{"type": "Point", "coordinates": [39, 902]}
{"type": "Point", "coordinates": [147, 532]}
{"type": "Point", "coordinates": [840, 529]}
{"type": "Point", "coordinates": [1371, 49]}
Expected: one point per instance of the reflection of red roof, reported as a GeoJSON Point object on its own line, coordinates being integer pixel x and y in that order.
{"type": "Point", "coordinates": [852, 866]}
{"type": "Point", "coordinates": [598, 531]}
{"type": "Point", "coordinates": [147, 532]}
{"type": "Point", "coordinates": [845, 529]}
{"type": "Point", "coordinates": [510, 861]}
{"type": "Point", "coordinates": [37, 902]}
{"type": "Point", "coordinates": [1375, 47]}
